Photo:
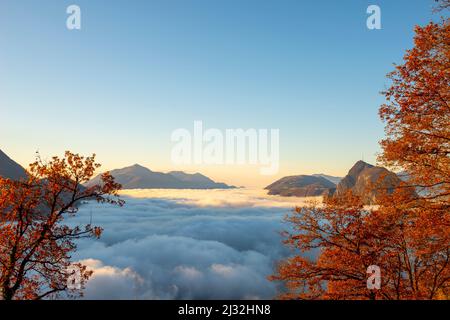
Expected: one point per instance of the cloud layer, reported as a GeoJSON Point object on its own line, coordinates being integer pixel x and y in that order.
{"type": "Point", "coordinates": [180, 244]}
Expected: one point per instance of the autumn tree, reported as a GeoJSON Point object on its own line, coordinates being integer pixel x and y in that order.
{"type": "Point", "coordinates": [407, 234]}
{"type": "Point", "coordinates": [417, 118]}
{"type": "Point", "coordinates": [417, 114]}
{"type": "Point", "coordinates": [335, 251]}
{"type": "Point", "coordinates": [340, 239]}
{"type": "Point", "coordinates": [35, 244]}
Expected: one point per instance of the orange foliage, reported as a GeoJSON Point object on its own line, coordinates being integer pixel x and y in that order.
{"type": "Point", "coordinates": [407, 234]}
{"type": "Point", "coordinates": [340, 239]}
{"type": "Point", "coordinates": [417, 114]}
{"type": "Point", "coordinates": [35, 245]}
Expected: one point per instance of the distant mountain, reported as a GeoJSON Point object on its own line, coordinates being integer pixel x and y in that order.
{"type": "Point", "coordinates": [363, 179]}
{"type": "Point", "coordinates": [368, 181]}
{"type": "Point", "coordinates": [10, 169]}
{"type": "Point", "coordinates": [199, 180]}
{"type": "Point", "coordinates": [302, 186]}
{"type": "Point", "coordinates": [139, 177]}
{"type": "Point", "coordinates": [333, 179]}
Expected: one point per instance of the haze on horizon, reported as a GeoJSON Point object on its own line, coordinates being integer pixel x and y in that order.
{"type": "Point", "coordinates": [135, 73]}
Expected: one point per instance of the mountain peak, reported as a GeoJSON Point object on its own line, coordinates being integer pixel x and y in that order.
{"type": "Point", "coordinates": [140, 177]}
{"type": "Point", "coordinates": [358, 167]}
{"type": "Point", "coordinates": [137, 167]}
{"type": "Point", "coordinates": [362, 163]}
{"type": "Point", "coordinates": [361, 180]}
{"type": "Point", "coordinates": [302, 186]}
{"type": "Point", "coordinates": [9, 168]}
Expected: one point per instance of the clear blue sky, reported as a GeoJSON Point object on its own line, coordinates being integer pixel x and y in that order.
{"type": "Point", "coordinates": [137, 70]}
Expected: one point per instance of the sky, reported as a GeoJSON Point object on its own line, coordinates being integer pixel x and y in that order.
{"type": "Point", "coordinates": [138, 70]}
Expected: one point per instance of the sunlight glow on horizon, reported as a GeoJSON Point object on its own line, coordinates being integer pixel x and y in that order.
{"type": "Point", "coordinates": [135, 73]}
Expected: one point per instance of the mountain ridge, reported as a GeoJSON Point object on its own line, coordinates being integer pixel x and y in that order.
{"type": "Point", "coordinates": [10, 169]}
{"type": "Point", "coordinates": [368, 181]}
{"type": "Point", "coordinates": [140, 177]}
{"type": "Point", "coordinates": [333, 179]}
{"type": "Point", "coordinates": [360, 179]}
{"type": "Point", "coordinates": [302, 186]}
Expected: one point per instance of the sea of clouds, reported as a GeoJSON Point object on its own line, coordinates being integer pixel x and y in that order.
{"type": "Point", "coordinates": [185, 244]}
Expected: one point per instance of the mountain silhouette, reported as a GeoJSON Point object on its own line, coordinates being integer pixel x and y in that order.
{"type": "Point", "coordinates": [333, 179]}
{"type": "Point", "coordinates": [302, 186]}
{"type": "Point", "coordinates": [363, 179]}
{"type": "Point", "coordinates": [10, 169]}
{"type": "Point", "coordinates": [139, 177]}
{"type": "Point", "coordinates": [368, 181]}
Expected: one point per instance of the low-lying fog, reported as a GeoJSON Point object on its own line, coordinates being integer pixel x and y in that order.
{"type": "Point", "coordinates": [185, 244]}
